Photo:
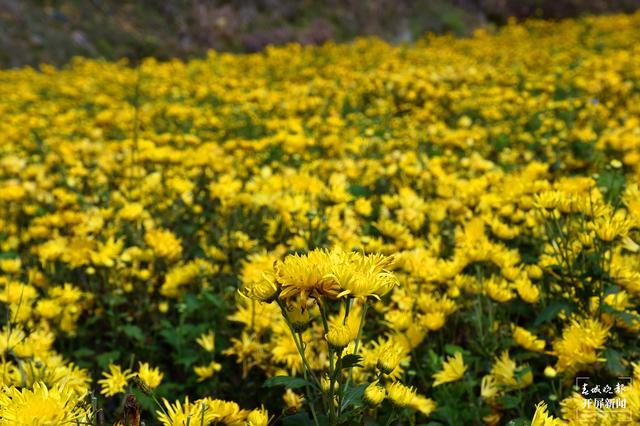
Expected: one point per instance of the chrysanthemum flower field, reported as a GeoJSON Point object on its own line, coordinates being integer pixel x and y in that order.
{"type": "Point", "coordinates": [439, 233]}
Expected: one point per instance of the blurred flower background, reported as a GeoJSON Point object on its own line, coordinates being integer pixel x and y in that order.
{"type": "Point", "coordinates": [53, 31]}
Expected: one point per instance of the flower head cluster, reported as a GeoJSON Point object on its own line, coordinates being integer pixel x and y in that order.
{"type": "Point", "coordinates": [320, 273]}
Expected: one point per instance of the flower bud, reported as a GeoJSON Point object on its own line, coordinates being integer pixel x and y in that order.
{"type": "Point", "coordinates": [258, 417]}
{"type": "Point", "coordinates": [400, 395]}
{"type": "Point", "coordinates": [338, 336]}
{"type": "Point", "coordinates": [550, 372]}
{"type": "Point", "coordinates": [292, 400]}
{"type": "Point", "coordinates": [142, 385]}
{"type": "Point", "coordinates": [374, 394]}
{"type": "Point", "coordinates": [325, 383]}
{"type": "Point", "coordinates": [525, 379]}
{"type": "Point", "coordinates": [264, 290]}
{"type": "Point", "coordinates": [298, 317]}
{"type": "Point", "coordinates": [534, 272]}
{"type": "Point", "coordinates": [389, 360]}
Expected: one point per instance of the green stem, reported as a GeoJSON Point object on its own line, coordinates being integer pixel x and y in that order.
{"type": "Point", "coordinates": [357, 343]}
{"type": "Point", "coordinates": [307, 388]}
{"type": "Point", "coordinates": [300, 348]}
{"type": "Point", "coordinates": [391, 417]}
{"type": "Point", "coordinates": [323, 314]}
{"type": "Point", "coordinates": [332, 384]}
{"type": "Point", "coordinates": [360, 327]}
{"type": "Point", "coordinates": [347, 308]}
{"type": "Point", "coordinates": [325, 325]}
{"type": "Point", "coordinates": [305, 364]}
{"type": "Point", "coordinates": [414, 356]}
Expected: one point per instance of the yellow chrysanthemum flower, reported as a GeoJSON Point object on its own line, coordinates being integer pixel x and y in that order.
{"type": "Point", "coordinates": [151, 376]}
{"type": "Point", "coordinates": [422, 404]}
{"type": "Point", "coordinates": [580, 343]}
{"type": "Point", "coordinates": [400, 395]}
{"type": "Point", "coordinates": [503, 370]}
{"type": "Point", "coordinates": [115, 381]}
{"type": "Point", "coordinates": [207, 341]}
{"type": "Point", "coordinates": [303, 275]}
{"type": "Point", "coordinates": [205, 372]}
{"type": "Point", "coordinates": [374, 394]}
{"type": "Point", "coordinates": [339, 336]}
{"type": "Point", "coordinates": [292, 400]}
{"type": "Point", "coordinates": [164, 243]}
{"type": "Point", "coordinates": [258, 417]}
{"type": "Point", "coordinates": [183, 414]}
{"type": "Point", "coordinates": [360, 275]}
{"type": "Point", "coordinates": [508, 374]}
{"type": "Point", "coordinates": [41, 406]}
{"type": "Point", "coordinates": [527, 339]}
{"type": "Point", "coordinates": [452, 370]}
{"type": "Point", "coordinates": [542, 418]}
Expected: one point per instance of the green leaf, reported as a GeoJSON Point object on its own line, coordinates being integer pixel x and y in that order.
{"type": "Point", "coordinates": [614, 362]}
{"type": "Point", "coordinates": [171, 337]}
{"type": "Point", "coordinates": [214, 299]}
{"type": "Point", "coordinates": [509, 401]}
{"type": "Point", "coordinates": [351, 360]}
{"type": "Point", "coordinates": [614, 183]}
{"type": "Point", "coordinates": [434, 360]}
{"type": "Point", "coordinates": [191, 303]}
{"type": "Point", "coordinates": [106, 358]}
{"type": "Point", "coordinates": [453, 349]}
{"type": "Point", "coordinates": [500, 142]}
{"type": "Point", "coordinates": [146, 402]}
{"type": "Point", "coordinates": [84, 353]}
{"type": "Point", "coordinates": [354, 395]}
{"type": "Point", "coordinates": [187, 358]}
{"type": "Point", "coordinates": [552, 311]}
{"type": "Point", "coordinates": [359, 191]}
{"type": "Point", "coordinates": [522, 371]}
{"type": "Point", "coordinates": [304, 419]}
{"type": "Point", "coordinates": [287, 381]}
{"type": "Point", "coordinates": [133, 331]}
{"type": "Point", "coordinates": [627, 317]}
{"type": "Point", "coordinates": [519, 422]}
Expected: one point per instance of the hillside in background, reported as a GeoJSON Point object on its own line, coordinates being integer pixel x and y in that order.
{"type": "Point", "coordinates": [37, 31]}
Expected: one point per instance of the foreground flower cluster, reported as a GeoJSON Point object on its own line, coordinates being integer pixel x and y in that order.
{"type": "Point", "coordinates": [442, 232]}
